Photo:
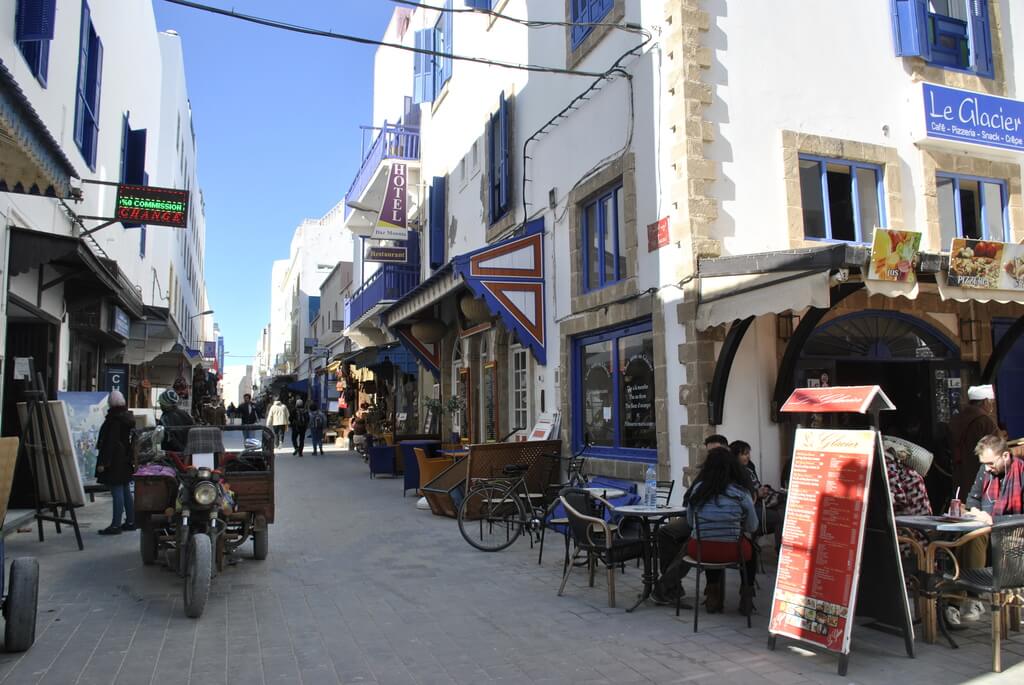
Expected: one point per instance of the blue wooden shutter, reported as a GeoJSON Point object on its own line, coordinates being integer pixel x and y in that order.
{"type": "Point", "coordinates": [142, 228]}
{"type": "Point", "coordinates": [35, 19]}
{"type": "Point", "coordinates": [981, 38]}
{"type": "Point", "coordinates": [910, 28]}
{"type": "Point", "coordinates": [83, 69]}
{"type": "Point", "coordinates": [124, 148]}
{"type": "Point", "coordinates": [97, 87]}
{"type": "Point", "coordinates": [580, 15]}
{"type": "Point", "coordinates": [446, 62]}
{"type": "Point", "coordinates": [502, 148]}
{"type": "Point", "coordinates": [479, 4]}
{"type": "Point", "coordinates": [423, 67]}
{"type": "Point", "coordinates": [438, 219]}
{"type": "Point", "coordinates": [136, 157]}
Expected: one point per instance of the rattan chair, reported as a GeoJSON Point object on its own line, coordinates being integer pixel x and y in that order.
{"type": "Point", "coordinates": [1003, 581]}
{"type": "Point", "coordinates": [593, 536]}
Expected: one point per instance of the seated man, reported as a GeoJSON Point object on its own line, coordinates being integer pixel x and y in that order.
{"type": "Point", "coordinates": [997, 491]}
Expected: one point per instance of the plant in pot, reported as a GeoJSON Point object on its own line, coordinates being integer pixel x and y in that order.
{"type": "Point", "coordinates": [435, 408]}
{"type": "Point", "coordinates": [455, 406]}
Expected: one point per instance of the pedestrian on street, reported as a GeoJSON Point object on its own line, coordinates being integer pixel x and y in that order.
{"type": "Point", "coordinates": [317, 424]}
{"type": "Point", "coordinates": [174, 420]}
{"type": "Point", "coordinates": [249, 415]}
{"type": "Point", "coordinates": [114, 462]}
{"type": "Point", "coordinates": [300, 422]}
{"type": "Point", "coordinates": [974, 422]}
{"type": "Point", "coordinates": [277, 419]}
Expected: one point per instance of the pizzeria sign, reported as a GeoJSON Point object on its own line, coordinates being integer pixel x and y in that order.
{"type": "Point", "coordinates": [152, 205]}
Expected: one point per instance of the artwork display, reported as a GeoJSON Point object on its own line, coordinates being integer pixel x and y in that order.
{"type": "Point", "coordinates": [86, 411]}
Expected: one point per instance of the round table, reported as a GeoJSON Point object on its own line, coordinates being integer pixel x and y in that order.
{"type": "Point", "coordinates": [607, 493]}
{"type": "Point", "coordinates": [647, 516]}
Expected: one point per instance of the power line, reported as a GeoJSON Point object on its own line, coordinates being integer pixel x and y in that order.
{"type": "Point", "coordinates": [295, 28]}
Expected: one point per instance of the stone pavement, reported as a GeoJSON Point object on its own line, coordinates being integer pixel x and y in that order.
{"type": "Point", "coordinates": [361, 587]}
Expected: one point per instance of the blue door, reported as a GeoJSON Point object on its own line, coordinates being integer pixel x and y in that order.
{"type": "Point", "coordinates": [1008, 381]}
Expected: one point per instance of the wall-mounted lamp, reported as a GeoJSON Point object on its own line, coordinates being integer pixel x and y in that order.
{"type": "Point", "coordinates": [966, 327]}
{"type": "Point", "coordinates": [785, 324]}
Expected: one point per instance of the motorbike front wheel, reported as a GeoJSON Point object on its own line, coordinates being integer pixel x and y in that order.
{"type": "Point", "coordinates": [198, 574]}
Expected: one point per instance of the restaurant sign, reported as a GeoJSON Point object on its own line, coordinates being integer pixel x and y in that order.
{"type": "Point", "coordinates": [892, 256]}
{"type": "Point", "coordinates": [968, 117]}
{"type": "Point", "coordinates": [152, 205]}
{"type": "Point", "coordinates": [387, 255]}
{"type": "Point", "coordinates": [392, 221]}
{"type": "Point", "coordinates": [858, 399]}
{"type": "Point", "coordinates": [986, 264]}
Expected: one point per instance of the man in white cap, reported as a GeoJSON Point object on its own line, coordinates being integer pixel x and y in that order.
{"type": "Point", "coordinates": [974, 422]}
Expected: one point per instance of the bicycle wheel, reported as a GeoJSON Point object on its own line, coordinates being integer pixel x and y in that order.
{"type": "Point", "coordinates": [491, 517]}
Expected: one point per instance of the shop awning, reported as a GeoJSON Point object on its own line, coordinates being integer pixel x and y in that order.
{"type": "Point", "coordinates": [151, 336]}
{"type": "Point", "coordinates": [724, 299]}
{"type": "Point", "coordinates": [948, 292]}
{"type": "Point", "coordinates": [31, 160]}
{"type": "Point", "coordinates": [374, 357]}
{"type": "Point", "coordinates": [164, 368]}
{"type": "Point", "coordinates": [299, 386]}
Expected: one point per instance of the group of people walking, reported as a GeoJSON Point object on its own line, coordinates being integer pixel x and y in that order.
{"type": "Point", "coordinates": [300, 419]}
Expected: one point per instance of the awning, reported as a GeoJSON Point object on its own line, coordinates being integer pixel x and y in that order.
{"type": "Point", "coordinates": [430, 291]}
{"type": "Point", "coordinates": [300, 386]}
{"type": "Point", "coordinates": [165, 368]}
{"type": "Point", "coordinates": [724, 299]}
{"type": "Point", "coordinates": [948, 292]}
{"type": "Point", "coordinates": [31, 160]}
{"type": "Point", "coordinates": [76, 265]}
{"type": "Point", "coordinates": [374, 357]}
{"type": "Point", "coordinates": [151, 336]}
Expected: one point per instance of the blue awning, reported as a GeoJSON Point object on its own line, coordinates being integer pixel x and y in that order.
{"type": "Point", "coordinates": [300, 386]}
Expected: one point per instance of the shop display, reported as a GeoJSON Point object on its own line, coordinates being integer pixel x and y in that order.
{"type": "Point", "coordinates": [986, 264]}
{"type": "Point", "coordinates": [893, 254]}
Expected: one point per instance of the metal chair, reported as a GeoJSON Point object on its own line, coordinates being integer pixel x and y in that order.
{"type": "Point", "coordinates": [593, 535]}
{"type": "Point", "coordinates": [665, 488]}
{"type": "Point", "coordinates": [1003, 581]}
{"type": "Point", "coordinates": [713, 530]}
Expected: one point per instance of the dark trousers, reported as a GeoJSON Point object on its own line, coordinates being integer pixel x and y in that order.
{"type": "Point", "coordinates": [672, 539]}
{"type": "Point", "coordinates": [316, 435]}
{"type": "Point", "coordinates": [124, 506]}
{"type": "Point", "coordinates": [298, 438]}
{"type": "Point", "coordinates": [279, 435]}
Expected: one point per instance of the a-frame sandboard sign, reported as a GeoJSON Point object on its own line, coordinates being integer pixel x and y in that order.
{"type": "Point", "coordinates": [839, 556]}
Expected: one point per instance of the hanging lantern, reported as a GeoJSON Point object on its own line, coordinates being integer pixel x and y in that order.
{"type": "Point", "coordinates": [474, 310]}
{"type": "Point", "coordinates": [429, 331]}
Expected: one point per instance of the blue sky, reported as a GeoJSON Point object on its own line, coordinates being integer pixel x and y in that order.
{"type": "Point", "coordinates": [276, 117]}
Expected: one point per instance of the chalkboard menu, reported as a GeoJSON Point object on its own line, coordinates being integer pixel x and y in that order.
{"type": "Point", "coordinates": [490, 398]}
{"type": "Point", "coordinates": [636, 392]}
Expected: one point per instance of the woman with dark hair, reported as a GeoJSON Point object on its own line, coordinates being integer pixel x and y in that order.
{"type": "Point", "coordinates": [766, 501]}
{"type": "Point", "coordinates": [720, 510]}
{"type": "Point", "coordinates": [114, 462]}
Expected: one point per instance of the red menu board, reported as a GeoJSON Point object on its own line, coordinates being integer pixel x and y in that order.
{"type": "Point", "coordinates": [819, 563]}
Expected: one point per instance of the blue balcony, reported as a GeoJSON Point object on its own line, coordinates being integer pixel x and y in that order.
{"type": "Point", "coordinates": [393, 141]}
{"type": "Point", "coordinates": [387, 285]}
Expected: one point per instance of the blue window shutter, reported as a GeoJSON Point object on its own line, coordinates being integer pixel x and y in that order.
{"type": "Point", "coordinates": [492, 167]}
{"type": "Point", "coordinates": [479, 4]}
{"type": "Point", "coordinates": [581, 14]}
{"type": "Point", "coordinates": [981, 38]}
{"type": "Point", "coordinates": [502, 148]}
{"type": "Point", "coordinates": [910, 28]}
{"type": "Point", "coordinates": [423, 67]}
{"type": "Point", "coordinates": [136, 157]}
{"type": "Point", "coordinates": [83, 68]}
{"type": "Point", "coordinates": [446, 62]}
{"type": "Point", "coordinates": [438, 220]}
{"type": "Point", "coordinates": [142, 229]}
{"type": "Point", "coordinates": [35, 19]}
{"type": "Point", "coordinates": [97, 88]}
{"type": "Point", "coordinates": [124, 148]}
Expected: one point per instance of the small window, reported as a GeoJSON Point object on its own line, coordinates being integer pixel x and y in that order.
{"type": "Point", "coordinates": [432, 70]}
{"type": "Point", "coordinates": [584, 14]}
{"type": "Point", "coordinates": [841, 200]}
{"type": "Point", "coordinates": [87, 102]}
{"type": "Point", "coordinates": [971, 207]}
{"type": "Point", "coordinates": [604, 240]}
{"type": "Point", "coordinates": [519, 390]}
{"type": "Point", "coordinates": [498, 161]}
{"type": "Point", "coordinates": [952, 34]}
{"type": "Point", "coordinates": [34, 20]}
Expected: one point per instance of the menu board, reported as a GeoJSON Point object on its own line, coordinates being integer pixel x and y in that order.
{"type": "Point", "coordinates": [986, 264]}
{"type": "Point", "coordinates": [819, 563]}
{"type": "Point", "coordinates": [892, 255]}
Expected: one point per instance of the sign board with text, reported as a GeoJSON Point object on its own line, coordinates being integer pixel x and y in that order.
{"type": "Point", "coordinates": [968, 117]}
{"type": "Point", "coordinates": [657, 234]}
{"type": "Point", "coordinates": [387, 255]}
{"type": "Point", "coordinates": [857, 399]}
{"type": "Point", "coordinates": [392, 221]}
{"type": "Point", "coordinates": [986, 265]}
{"type": "Point", "coordinates": [152, 205]}
{"type": "Point", "coordinates": [892, 256]}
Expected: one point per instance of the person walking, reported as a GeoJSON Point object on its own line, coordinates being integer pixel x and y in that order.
{"type": "Point", "coordinates": [973, 423]}
{"type": "Point", "coordinates": [114, 462]}
{"type": "Point", "coordinates": [249, 415]}
{"type": "Point", "coordinates": [317, 424]}
{"type": "Point", "coordinates": [300, 422]}
{"type": "Point", "coordinates": [175, 420]}
{"type": "Point", "coordinates": [277, 419]}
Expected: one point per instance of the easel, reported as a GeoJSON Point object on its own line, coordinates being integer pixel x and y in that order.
{"type": "Point", "coordinates": [40, 446]}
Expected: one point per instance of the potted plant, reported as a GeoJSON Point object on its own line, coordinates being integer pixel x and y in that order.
{"type": "Point", "coordinates": [435, 408]}
{"type": "Point", "coordinates": [455, 406]}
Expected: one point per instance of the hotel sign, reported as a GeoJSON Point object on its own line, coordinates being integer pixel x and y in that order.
{"type": "Point", "coordinates": [152, 205]}
{"type": "Point", "coordinates": [968, 117]}
{"type": "Point", "coordinates": [391, 222]}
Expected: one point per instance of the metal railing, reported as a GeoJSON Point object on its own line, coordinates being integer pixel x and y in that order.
{"type": "Point", "coordinates": [388, 284]}
{"type": "Point", "coordinates": [393, 141]}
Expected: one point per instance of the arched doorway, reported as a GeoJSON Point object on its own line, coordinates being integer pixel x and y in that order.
{"type": "Point", "coordinates": [916, 365]}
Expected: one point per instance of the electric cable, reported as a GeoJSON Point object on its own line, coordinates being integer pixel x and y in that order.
{"type": "Point", "coordinates": [295, 28]}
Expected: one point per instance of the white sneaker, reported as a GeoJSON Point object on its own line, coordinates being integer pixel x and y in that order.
{"type": "Point", "coordinates": [952, 616]}
{"type": "Point", "coordinates": [973, 611]}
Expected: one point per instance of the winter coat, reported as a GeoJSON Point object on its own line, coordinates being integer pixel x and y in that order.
{"type": "Point", "coordinates": [300, 418]}
{"type": "Point", "coordinates": [278, 415]}
{"type": "Point", "coordinates": [175, 438]}
{"type": "Point", "coordinates": [114, 448]}
{"type": "Point", "coordinates": [247, 412]}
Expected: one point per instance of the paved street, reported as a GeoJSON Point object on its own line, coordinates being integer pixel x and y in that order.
{"type": "Point", "coordinates": [361, 587]}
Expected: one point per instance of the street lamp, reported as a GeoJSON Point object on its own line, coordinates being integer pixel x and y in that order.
{"type": "Point", "coordinates": [208, 311]}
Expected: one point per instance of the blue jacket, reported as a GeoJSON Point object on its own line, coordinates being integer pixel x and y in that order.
{"type": "Point", "coordinates": [720, 518]}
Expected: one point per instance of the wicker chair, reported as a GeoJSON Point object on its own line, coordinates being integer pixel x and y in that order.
{"type": "Point", "coordinates": [1003, 581]}
{"type": "Point", "coordinates": [592, 535]}
{"type": "Point", "coordinates": [429, 467]}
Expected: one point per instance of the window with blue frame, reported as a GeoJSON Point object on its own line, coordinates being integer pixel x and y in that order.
{"type": "Point", "coordinates": [603, 225]}
{"type": "Point", "coordinates": [485, 5]}
{"type": "Point", "coordinates": [614, 391]}
{"type": "Point", "coordinates": [584, 14]}
{"type": "Point", "coordinates": [499, 197]}
{"type": "Point", "coordinates": [33, 21]}
{"type": "Point", "coordinates": [842, 200]}
{"type": "Point", "coordinates": [133, 159]}
{"type": "Point", "coordinates": [952, 34]}
{"type": "Point", "coordinates": [433, 66]}
{"type": "Point", "coordinates": [971, 207]}
{"type": "Point", "coordinates": [87, 101]}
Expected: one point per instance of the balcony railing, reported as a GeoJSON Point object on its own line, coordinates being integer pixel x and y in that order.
{"type": "Point", "coordinates": [393, 141]}
{"type": "Point", "coordinates": [388, 284]}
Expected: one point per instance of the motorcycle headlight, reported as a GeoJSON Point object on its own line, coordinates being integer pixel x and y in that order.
{"type": "Point", "coordinates": [205, 493]}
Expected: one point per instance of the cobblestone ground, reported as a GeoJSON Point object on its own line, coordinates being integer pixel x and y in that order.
{"type": "Point", "coordinates": [361, 587]}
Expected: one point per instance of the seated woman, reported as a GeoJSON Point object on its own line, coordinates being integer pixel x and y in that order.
{"type": "Point", "coordinates": [768, 516]}
{"type": "Point", "coordinates": [720, 510]}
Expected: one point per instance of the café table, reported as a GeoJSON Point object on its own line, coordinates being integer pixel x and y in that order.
{"type": "Point", "coordinates": [650, 519]}
{"type": "Point", "coordinates": [934, 528]}
{"type": "Point", "coordinates": [607, 493]}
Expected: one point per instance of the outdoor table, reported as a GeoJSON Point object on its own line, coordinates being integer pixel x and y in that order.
{"type": "Point", "coordinates": [934, 527]}
{"type": "Point", "coordinates": [607, 493]}
{"type": "Point", "coordinates": [650, 519]}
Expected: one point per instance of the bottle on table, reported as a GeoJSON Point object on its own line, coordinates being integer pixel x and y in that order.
{"type": "Point", "coordinates": [651, 487]}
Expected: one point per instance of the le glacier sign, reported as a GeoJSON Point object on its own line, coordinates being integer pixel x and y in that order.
{"type": "Point", "coordinates": [969, 117]}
